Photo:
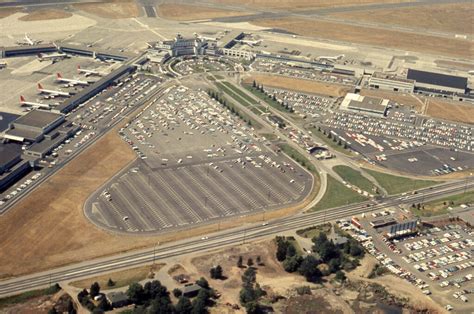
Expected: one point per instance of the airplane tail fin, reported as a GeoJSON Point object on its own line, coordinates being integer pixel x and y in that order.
{"type": "Point", "coordinates": [58, 75]}
{"type": "Point", "coordinates": [40, 86]}
{"type": "Point", "coordinates": [22, 99]}
{"type": "Point", "coordinates": [78, 68]}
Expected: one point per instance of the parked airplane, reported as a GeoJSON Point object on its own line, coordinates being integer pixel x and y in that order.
{"type": "Point", "coordinates": [90, 72]}
{"type": "Point", "coordinates": [70, 82]}
{"type": "Point", "coordinates": [35, 105]}
{"type": "Point", "coordinates": [330, 58]}
{"type": "Point", "coordinates": [52, 56]}
{"type": "Point", "coordinates": [52, 93]}
{"type": "Point", "coordinates": [27, 41]}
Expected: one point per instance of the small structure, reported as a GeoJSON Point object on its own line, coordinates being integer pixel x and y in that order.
{"type": "Point", "coordinates": [118, 299]}
{"type": "Point", "coordinates": [181, 278]}
{"type": "Point", "coordinates": [191, 290]}
{"type": "Point", "coordinates": [369, 105]}
{"type": "Point", "coordinates": [277, 121]}
{"type": "Point", "coordinates": [340, 240]}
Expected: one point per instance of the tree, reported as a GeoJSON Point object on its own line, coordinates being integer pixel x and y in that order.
{"type": "Point", "coordinates": [309, 269]}
{"type": "Point", "coordinates": [246, 295]}
{"type": "Point", "coordinates": [81, 296]}
{"type": "Point", "coordinates": [70, 307]}
{"type": "Point", "coordinates": [202, 282]}
{"type": "Point", "coordinates": [290, 250]}
{"type": "Point", "coordinates": [249, 277]}
{"type": "Point", "coordinates": [154, 289]}
{"type": "Point", "coordinates": [95, 289]}
{"type": "Point", "coordinates": [254, 84]}
{"type": "Point", "coordinates": [110, 283]}
{"type": "Point", "coordinates": [292, 264]}
{"type": "Point", "coordinates": [240, 262]}
{"type": "Point", "coordinates": [252, 307]}
{"type": "Point", "coordinates": [161, 305]}
{"type": "Point", "coordinates": [334, 265]}
{"type": "Point", "coordinates": [250, 262]}
{"type": "Point", "coordinates": [177, 292]}
{"type": "Point", "coordinates": [340, 276]}
{"type": "Point", "coordinates": [104, 305]}
{"type": "Point", "coordinates": [52, 311]}
{"type": "Point", "coordinates": [136, 293]}
{"type": "Point", "coordinates": [356, 250]}
{"type": "Point", "coordinates": [183, 306]}
{"type": "Point", "coordinates": [259, 260]}
{"type": "Point", "coordinates": [282, 247]}
{"type": "Point", "coordinates": [218, 272]}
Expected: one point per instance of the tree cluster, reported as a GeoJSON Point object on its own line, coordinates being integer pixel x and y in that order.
{"type": "Point", "coordinates": [153, 298]}
{"type": "Point", "coordinates": [216, 272]}
{"type": "Point", "coordinates": [272, 97]}
{"type": "Point", "coordinates": [251, 291]}
{"type": "Point", "coordinates": [85, 298]}
{"type": "Point", "coordinates": [292, 262]}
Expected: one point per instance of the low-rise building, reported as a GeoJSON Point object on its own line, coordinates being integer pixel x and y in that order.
{"type": "Point", "coordinates": [437, 82]}
{"type": "Point", "coordinates": [365, 104]}
{"type": "Point", "coordinates": [391, 82]}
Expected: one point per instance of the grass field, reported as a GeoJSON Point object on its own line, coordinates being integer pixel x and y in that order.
{"type": "Point", "coordinates": [442, 17]}
{"type": "Point", "coordinates": [45, 14]}
{"type": "Point", "coordinates": [185, 12]}
{"type": "Point", "coordinates": [112, 9]}
{"type": "Point", "coordinates": [304, 4]}
{"type": "Point", "coordinates": [354, 177]}
{"type": "Point", "coordinates": [450, 110]}
{"type": "Point", "coordinates": [373, 36]}
{"type": "Point", "coordinates": [121, 278]}
{"type": "Point", "coordinates": [440, 207]}
{"type": "Point", "coordinates": [395, 184]}
{"type": "Point", "coordinates": [236, 93]}
{"type": "Point", "coordinates": [25, 296]}
{"type": "Point", "coordinates": [337, 195]}
{"type": "Point", "coordinates": [314, 231]}
{"type": "Point", "coordinates": [297, 156]}
{"type": "Point", "coordinates": [301, 85]}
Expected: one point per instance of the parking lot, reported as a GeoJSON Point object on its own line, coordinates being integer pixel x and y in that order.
{"type": "Point", "coordinates": [197, 163]}
{"type": "Point", "coordinates": [205, 64]}
{"type": "Point", "coordinates": [436, 259]}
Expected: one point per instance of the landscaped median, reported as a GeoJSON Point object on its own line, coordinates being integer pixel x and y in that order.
{"type": "Point", "coordinates": [355, 178]}
{"type": "Point", "coordinates": [337, 195]}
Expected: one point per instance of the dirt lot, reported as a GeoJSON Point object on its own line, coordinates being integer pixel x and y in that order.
{"type": "Point", "coordinates": [39, 305]}
{"type": "Point", "coordinates": [183, 12]}
{"type": "Point", "coordinates": [373, 36]}
{"type": "Point", "coordinates": [395, 286]}
{"type": "Point", "coordinates": [304, 4]}
{"type": "Point", "coordinates": [454, 65]}
{"type": "Point", "coordinates": [46, 14]}
{"type": "Point", "coordinates": [8, 12]}
{"type": "Point", "coordinates": [413, 101]}
{"type": "Point", "coordinates": [453, 111]}
{"type": "Point", "coordinates": [301, 85]}
{"type": "Point", "coordinates": [118, 9]}
{"type": "Point", "coordinates": [442, 17]}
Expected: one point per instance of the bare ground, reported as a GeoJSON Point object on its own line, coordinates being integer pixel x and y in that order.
{"type": "Point", "coordinates": [450, 110]}
{"type": "Point", "coordinates": [184, 12]}
{"type": "Point", "coordinates": [373, 36]}
{"type": "Point", "coordinates": [45, 14]}
{"type": "Point", "coordinates": [442, 17]}
{"type": "Point", "coordinates": [8, 12]}
{"type": "Point", "coordinates": [303, 4]}
{"type": "Point", "coordinates": [308, 86]}
{"type": "Point", "coordinates": [115, 9]}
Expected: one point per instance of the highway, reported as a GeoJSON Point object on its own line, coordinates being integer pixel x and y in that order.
{"type": "Point", "coordinates": [225, 238]}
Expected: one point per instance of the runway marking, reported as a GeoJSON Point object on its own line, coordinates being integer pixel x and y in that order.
{"type": "Point", "coordinates": [150, 29]}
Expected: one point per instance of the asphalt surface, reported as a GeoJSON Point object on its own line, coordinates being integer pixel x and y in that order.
{"type": "Point", "coordinates": [219, 240]}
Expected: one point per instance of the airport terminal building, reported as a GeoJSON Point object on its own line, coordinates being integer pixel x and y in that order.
{"type": "Point", "coordinates": [390, 82]}
{"type": "Point", "coordinates": [437, 82]}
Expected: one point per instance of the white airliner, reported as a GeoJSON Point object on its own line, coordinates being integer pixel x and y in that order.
{"type": "Point", "coordinates": [27, 41]}
{"type": "Point", "coordinates": [330, 58]}
{"type": "Point", "coordinates": [52, 93]}
{"type": "Point", "coordinates": [70, 82]}
{"type": "Point", "coordinates": [35, 105]}
{"type": "Point", "coordinates": [90, 72]}
{"type": "Point", "coordinates": [52, 56]}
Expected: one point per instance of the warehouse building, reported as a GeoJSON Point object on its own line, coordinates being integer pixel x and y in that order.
{"type": "Point", "coordinates": [437, 82]}
{"type": "Point", "coordinates": [391, 82]}
{"type": "Point", "coordinates": [33, 126]}
{"type": "Point", "coordinates": [12, 165]}
{"type": "Point", "coordinates": [365, 104]}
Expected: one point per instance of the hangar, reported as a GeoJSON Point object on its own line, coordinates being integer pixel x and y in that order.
{"type": "Point", "coordinates": [437, 82]}
{"type": "Point", "coordinates": [384, 81]}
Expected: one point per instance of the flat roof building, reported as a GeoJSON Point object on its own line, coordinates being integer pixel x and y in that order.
{"type": "Point", "coordinates": [12, 166]}
{"type": "Point", "coordinates": [438, 82]}
{"type": "Point", "coordinates": [391, 82]}
{"type": "Point", "coordinates": [365, 104]}
{"type": "Point", "coordinates": [32, 126]}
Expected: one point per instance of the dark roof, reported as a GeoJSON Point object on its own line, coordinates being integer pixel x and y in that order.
{"type": "Point", "coordinates": [5, 119]}
{"type": "Point", "coordinates": [9, 152]}
{"type": "Point", "coordinates": [38, 118]}
{"type": "Point", "coordinates": [29, 135]}
{"type": "Point", "coordinates": [191, 288]}
{"type": "Point", "coordinates": [437, 79]}
{"type": "Point", "coordinates": [117, 297]}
